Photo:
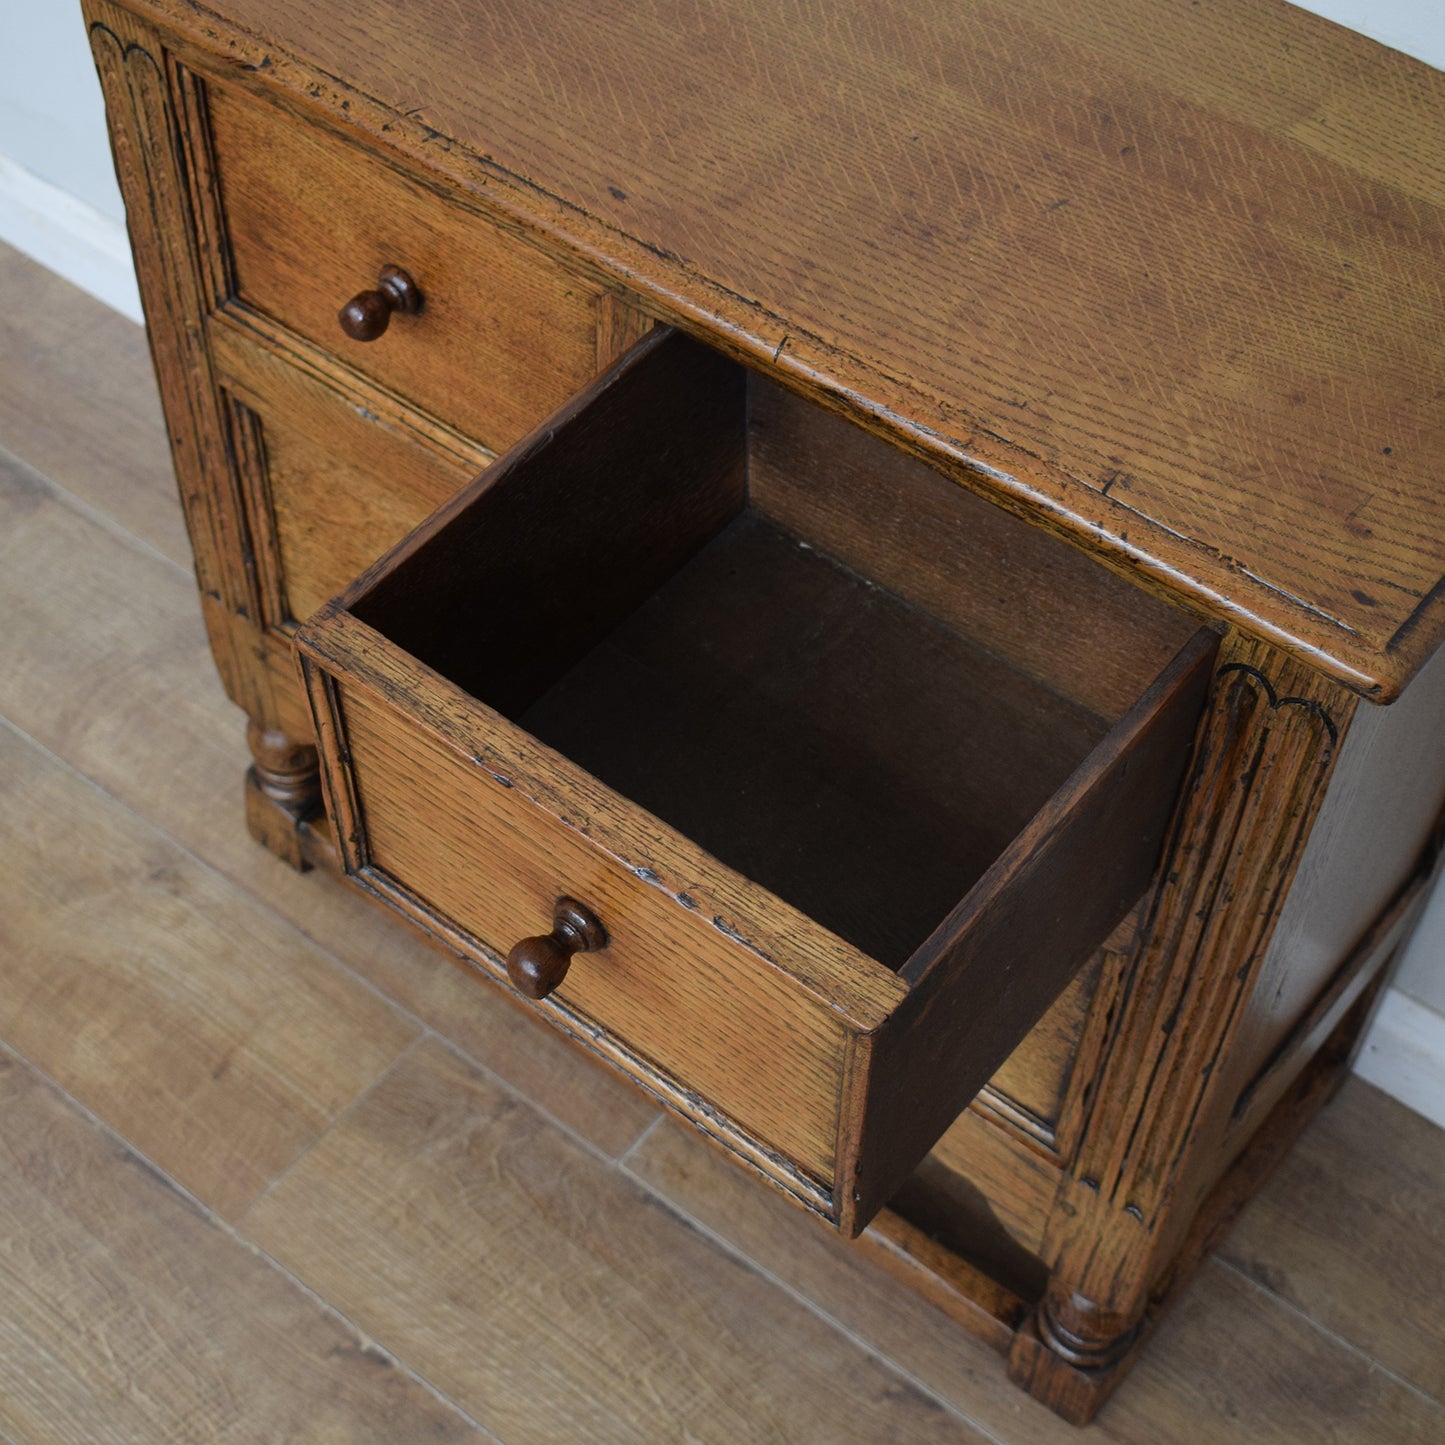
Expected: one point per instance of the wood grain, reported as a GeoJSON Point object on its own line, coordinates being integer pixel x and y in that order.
{"type": "Point", "coordinates": [1257, 1375]}
{"type": "Point", "coordinates": [1181, 322]}
{"type": "Point", "coordinates": [1020, 1182]}
{"type": "Point", "coordinates": [170, 746]}
{"type": "Point", "coordinates": [129, 1315]}
{"type": "Point", "coordinates": [546, 1295]}
{"type": "Point", "coordinates": [329, 485]}
{"type": "Point", "coordinates": [671, 985]}
{"type": "Point", "coordinates": [210, 1034]}
{"type": "Point", "coordinates": [177, 287]}
{"type": "Point", "coordinates": [1041, 605]}
{"type": "Point", "coordinates": [1326, 1233]}
{"type": "Point", "coordinates": [504, 335]}
{"type": "Point", "coordinates": [468, 737]}
{"type": "Point", "coordinates": [1258, 776]}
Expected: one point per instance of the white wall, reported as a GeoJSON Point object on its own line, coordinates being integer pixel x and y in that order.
{"type": "Point", "coordinates": [1415, 26]}
{"type": "Point", "coordinates": [59, 203]}
{"type": "Point", "coordinates": [52, 120]}
{"type": "Point", "coordinates": [58, 198]}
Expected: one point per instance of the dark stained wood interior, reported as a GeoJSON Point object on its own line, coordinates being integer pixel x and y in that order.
{"type": "Point", "coordinates": [847, 751]}
{"type": "Point", "coordinates": [1030, 598]}
{"type": "Point", "coordinates": [614, 589]}
{"type": "Point", "coordinates": [502, 593]}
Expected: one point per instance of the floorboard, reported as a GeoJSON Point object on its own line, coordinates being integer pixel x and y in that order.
{"type": "Point", "coordinates": [1351, 1232]}
{"type": "Point", "coordinates": [551, 1297]}
{"type": "Point", "coordinates": [127, 1315]}
{"type": "Point", "coordinates": [199, 1025]}
{"type": "Point", "coordinates": [78, 401]}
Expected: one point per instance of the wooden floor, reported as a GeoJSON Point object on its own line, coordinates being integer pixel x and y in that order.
{"type": "Point", "coordinates": [257, 1187]}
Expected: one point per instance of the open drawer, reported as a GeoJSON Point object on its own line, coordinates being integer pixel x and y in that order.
{"type": "Point", "coordinates": [711, 721]}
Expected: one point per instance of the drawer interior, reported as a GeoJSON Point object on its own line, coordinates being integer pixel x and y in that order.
{"type": "Point", "coordinates": [814, 731]}
{"type": "Point", "coordinates": [697, 644]}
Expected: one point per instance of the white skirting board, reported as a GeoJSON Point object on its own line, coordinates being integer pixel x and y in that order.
{"type": "Point", "coordinates": [68, 236]}
{"type": "Point", "coordinates": [1404, 1052]}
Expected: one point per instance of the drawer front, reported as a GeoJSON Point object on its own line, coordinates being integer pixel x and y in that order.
{"type": "Point", "coordinates": [330, 481]}
{"type": "Point", "coordinates": [825, 1069]}
{"type": "Point", "coordinates": [671, 987]}
{"type": "Point", "coordinates": [504, 335]}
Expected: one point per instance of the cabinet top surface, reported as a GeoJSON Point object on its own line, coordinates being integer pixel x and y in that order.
{"type": "Point", "coordinates": [1166, 274]}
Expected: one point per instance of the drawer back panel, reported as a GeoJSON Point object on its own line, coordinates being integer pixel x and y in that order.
{"type": "Point", "coordinates": [1038, 603]}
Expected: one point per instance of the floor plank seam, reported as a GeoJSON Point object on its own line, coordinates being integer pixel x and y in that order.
{"type": "Point", "coordinates": [88, 510]}
{"type": "Point", "coordinates": [1330, 1334]}
{"type": "Point", "coordinates": [515, 1092]}
{"type": "Point", "coordinates": [816, 1310]}
{"type": "Point", "coordinates": [224, 1226]}
{"type": "Point", "coordinates": [397, 1360]}
{"type": "Point", "coordinates": [239, 886]}
{"type": "Point", "coordinates": [637, 1143]}
{"type": "Point", "coordinates": [340, 1118]}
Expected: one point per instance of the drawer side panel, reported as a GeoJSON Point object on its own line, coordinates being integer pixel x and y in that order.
{"type": "Point", "coordinates": [989, 972]}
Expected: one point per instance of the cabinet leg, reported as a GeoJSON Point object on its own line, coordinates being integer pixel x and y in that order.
{"type": "Point", "coordinates": [1071, 1353]}
{"type": "Point", "coordinates": [283, 790]}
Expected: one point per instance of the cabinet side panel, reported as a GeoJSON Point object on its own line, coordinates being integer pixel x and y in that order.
{"type": "Point", "coordinates": [1373, 833]}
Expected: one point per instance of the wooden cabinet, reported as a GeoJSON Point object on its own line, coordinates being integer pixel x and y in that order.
{"type": "Point", "coordinates": [851, 599]}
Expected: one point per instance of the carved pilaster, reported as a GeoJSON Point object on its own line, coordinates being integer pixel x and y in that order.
{"type": "Point", "coordinates": [248, 446]}
{"type": "Point", "coordinates": [174, 213]}
{"type": "Point", "coordinates": [1262, 760]}
{"type": "Point", "coordinates": [143, 89]}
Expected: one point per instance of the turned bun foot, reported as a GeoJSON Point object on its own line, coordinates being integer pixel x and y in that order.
{"type": "Point", "coordinates": [1071, 1354]}
{"type": "Point", "coordinates": [283, 790]}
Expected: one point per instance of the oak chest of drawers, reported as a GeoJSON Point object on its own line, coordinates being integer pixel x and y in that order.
{"type": "Point", "coordinates": [856, 568]}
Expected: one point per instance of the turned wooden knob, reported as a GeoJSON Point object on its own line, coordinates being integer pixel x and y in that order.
{"type": "Point", "coordinates": [537, 965]}
{"type": "Point", "coordinates": [367, 315]}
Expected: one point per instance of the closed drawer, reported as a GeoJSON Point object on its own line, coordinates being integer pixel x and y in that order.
{"type": "Point", "coordinates": [504, 335]}
{"type": "Point", "coordinates": [328, 482]}
{"type": "Point", "coordinates": [841, 853]}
